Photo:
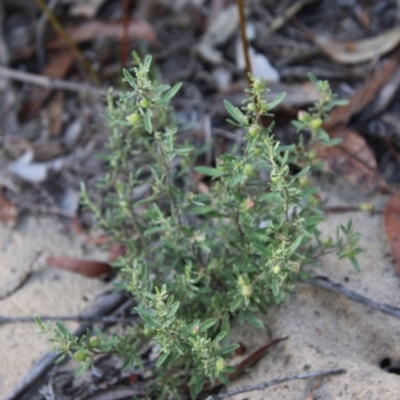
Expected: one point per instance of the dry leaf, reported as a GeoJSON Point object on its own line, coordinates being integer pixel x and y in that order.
{"type": "Point", "coordinates": [343, 164]}
{"type": "Point", "coordinates": [354, 145]}
{"type": "Point", "coordinates": [57, 67]}
{"type": "Point", "coordinates": [55, 113]}
{"type": "Point", "coordinates": [8, 212]}
{"type": "Point", "coordinates": [90, 268]}
{"type": "Point", "coordinates": [359, 51]}
{"type": "Point", "coordinates": [392, 225]}
{"type": "Point", "coordinates": [364, 95]}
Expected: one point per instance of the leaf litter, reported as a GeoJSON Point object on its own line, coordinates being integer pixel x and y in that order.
{"type": "Point", "coordinates": [354, 158]}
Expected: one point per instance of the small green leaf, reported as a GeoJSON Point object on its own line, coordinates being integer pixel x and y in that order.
{"type": "Point", "coordinates": [313, 79]}
{"type": "Point", "coordinates": [276, 101]}
{"type": "Point", "coordinates": [275, 286]}
{"type": "Point", "coordinates": [236, 303]}
{"type": "Point", "coordinates": [147, 121]}
{"type": "Point", "coordinates": [234, 112]}
{"type": "Point", "coordinates": [295, 244]}
{"type": "Point", "coordinates": [207, 324]}
{"type": "Point", "coordinates": [253, 320]}
{"type": "Point", "coordinates": [171, 93]}
{"type": "Point", "coordinates": [227, 351]}
{"type": "Point", "coordinates": [161, 360]}
{"type": "Point", "coordinates": [208, 171]}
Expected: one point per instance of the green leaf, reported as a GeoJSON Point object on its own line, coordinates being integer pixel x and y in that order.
{"type": "Point", "coordinates": [236, 303]}
{"type": "Point", "coordinates": [276, 101]}
{"type": "Point", "coordinates": [207, 324]}
{"type": "Point", "coordinates": [313, 79]}
{"type": "Point", "coordinates": [147, 121]}
{"type": "Point", "coordinates": [234, 112]}
{"type": "Point", "coordinates": [226, 351]}
{"type": "Point", "coordinates": [171, 93]}
{"type": "Point", "coordinates": [208, 171]}
{"type": "Point", "coordinates": [196, 388]}
{"type": "Point", "coordinates": [253, 320]}
{"type": "Point", "coordinates": [161, 360]}
{"type": "Point", "coordinates": [275, 286]}
{"type": "Point", "coordinates": [295, 244]}
{"type": "Point", "coordinates": [355, 264]}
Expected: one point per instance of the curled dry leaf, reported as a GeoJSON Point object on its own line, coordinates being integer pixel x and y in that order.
{"type": "Point", "coordinates": [90, 268]}
{"type": "Point", "coordinates": [342, 163]}
{"type": "Point", "coordinates": [392, 226]}
{"type": "Point", "coordinates": [8, 212]}
{"type": "Point", "coordinates": [359, 51]}
{"type": "Point", "coordinates": [354, 145]}
{"type": "Point", "coordinates": [57, 67]}
{"type": "Point", "coordinates": [364, 95]}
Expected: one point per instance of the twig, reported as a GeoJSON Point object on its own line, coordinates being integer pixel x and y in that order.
{"type": "Point", "coordinates": [25, 276]}
{"type": "Point", "coordinates": [103, 306]}
{"type": "Point", "coordinates": [77, 318]}
{"type": "Point", "coordinates": [245, 43]}
{"type": "Point", "coordinates": [279, 21]}
{"type": "Point", "coordinates": [325, 283]}
{"type": "Point", "coordinates": [278, 381]}
{"type": "Point", "coordinates": [46, 82]}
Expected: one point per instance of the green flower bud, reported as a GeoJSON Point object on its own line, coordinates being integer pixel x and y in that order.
{"type": "Point", "coordinates": [94, 342]}
{"type": "Point", "coordinates": [302, 116]}
{"type": "Point", "coordinates": [249, 170]}
{"type": "Point", "coordinates": [220, 365]}
{"type": "Point", "coordinates": [144, 103]}
{"type": "Point", "coordinates": [255, 130]}
{"type": "Point", "coordinates": [80, 356]}
{"type": "Point", "coordinates": [276, 269]}
{"type": "Point", "coordinates": [251, 107]}
{"type": "Point", "coordinates": [134, 118]}
{"type": "Point", "coordinates": [316, 123]}
{"type": "Point", "coordinates": [246, 291]}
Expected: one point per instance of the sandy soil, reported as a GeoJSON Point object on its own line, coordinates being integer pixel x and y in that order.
{"type": "Point", "coordinates": [326, 331]}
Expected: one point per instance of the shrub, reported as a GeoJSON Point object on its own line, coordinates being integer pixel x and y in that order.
{"type": "Point", "coordinates": [196, 259]}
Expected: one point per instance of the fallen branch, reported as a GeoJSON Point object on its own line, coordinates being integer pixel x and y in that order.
{"type": "Point", "coordinates": [49, 83]}
{"type": "Point", "coordinates": [104, 305]}
{"type": "Point", "coordinates": [76, 318]}
{"type": "Point", "coordinates": [278, 381]}
{"type": "Point", "coordinates": [325, 283]}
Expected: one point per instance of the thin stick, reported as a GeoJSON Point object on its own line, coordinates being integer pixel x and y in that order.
{"type": "Point", "coordinates": [104, 305]}
{"type": "Point", "coordinates": [278, 381]}
{"type": "Point", "coordinates": [279, 21]}
{"type": "Point", "coordinates": [325, 283]}
{"type": "Point", "coordinates": [25, 276]}
{"type": "Point", "coordinates": [77, 318]}
{"type": "Point", "coordinates": [245, 43]}
{"type": "Point", "coordinates": [46, 82]}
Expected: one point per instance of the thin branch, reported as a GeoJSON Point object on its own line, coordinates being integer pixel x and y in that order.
{"type": "Point", "coordinates": [325, 283]}
{"type": "Point", "coordinates": [76, 318]}
{"type": "Point", "coordinates": [46, 82]}
{"type": "Point", "coordinates": [245, 43]}
{"type": "Point", "coordinates": [278, 381]}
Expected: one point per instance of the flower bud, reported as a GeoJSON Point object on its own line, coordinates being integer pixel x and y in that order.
{"type": "Point", "coordinates": [302, 116]}
{"type": "Point", "coordinates": [80, 356]}
{"type": "Point", "coordinates": [276, 269]}
{"type": "Point", "coordinates": [248, 170]}
{"type": "Point", "coordinates": [134, 118]}
{"type": "Point", "coordinates": [251, 107]}
{"type": "Point", "coordinates": [255, 130]}
{"type": "Point", "coordinates": [246, 291]}
{"type": "Point", "coordinates": [94, 342]}
{"type": "Point", "coordinates": [144, 103]}
{"type": "Point", "coordinates": [220, 365]}
{"type": "Point", "coordinates": [316, 123]}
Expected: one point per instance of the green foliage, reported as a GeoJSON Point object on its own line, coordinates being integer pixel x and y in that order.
{"type": "Point", "coordinates": [195, 260]}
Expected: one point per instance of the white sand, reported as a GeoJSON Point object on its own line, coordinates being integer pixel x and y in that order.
{"type": "Point", "coordinates": [326, 331]}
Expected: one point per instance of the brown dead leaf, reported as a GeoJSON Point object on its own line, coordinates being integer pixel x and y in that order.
{"type": "Point", "coordinates": [392, 226]}
{"type": "Point", "coordinates": [342, 163]}
{"type": "Point", "coordinates": [55, 113]}
{"type": "Point", "coordinates": [364, 95]}
{"type": "Point", "coordinates": [354, 145]}
{"type": "Point", "coordinates": [90, 268]}
{"type": "Point", "coordinates": [359, 51]}
{"type": "Point", "coordinates": [137, 30]}
{"type": "Point", "coordinates": [8, 212]}
{"type": "Point", "coordinates": [57, 67]}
